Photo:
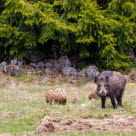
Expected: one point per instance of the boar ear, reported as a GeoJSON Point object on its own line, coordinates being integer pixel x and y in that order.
{"type": "Point", "coordinates": [107, 78]}
{"type": "Point", "coordinates": [95, 79]}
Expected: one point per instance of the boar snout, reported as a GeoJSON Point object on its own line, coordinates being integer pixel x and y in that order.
{"type": "Point", "coordinates": [103, 94]}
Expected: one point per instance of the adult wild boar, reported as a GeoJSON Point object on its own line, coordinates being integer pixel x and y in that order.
{"type": "Point", "coordinates": [110, 84]}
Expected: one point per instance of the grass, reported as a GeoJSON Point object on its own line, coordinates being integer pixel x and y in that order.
{"type": "Point", "coordinates": [26, 101]}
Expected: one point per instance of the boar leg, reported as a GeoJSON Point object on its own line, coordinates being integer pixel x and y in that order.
{"type": "Point", "coordinates": [113, 101]}
{"type": "Point", "coordinates": [50, 102]}
{"type": "Point", "coordinates": [47, 101]}
{"type": "Point", "coordinates": [103, 99]}
{"type": "Point", "coordinates": [119, 100]}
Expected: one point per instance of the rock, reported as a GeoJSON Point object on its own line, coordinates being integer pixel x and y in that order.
{"type": "Point", "coordinates": [40, 65]}
{"type": "Point", "coordinates": [53, 66]}
{"type": "Point", "coordinates": [70, 71]}
{"type": "Point", "coordinates": [56, 66]}
{"type": "Point", "coordinates": [45, 79]}
{"type": "Point", "coordinates": [92, 71]}
{"type": "Point", "coordinates": [37, 66]}
{"type": "Point", "coordinates": [3, 66]}
{"type": "Point", "coordinates": [3, 63]}
{"type": "Point", "coordinates": [49, 64]}
{"type": "Point", "coordinates": [13, 62]}
{"type": "Point", "coordinates": [12, 70]}
{"type": "Point", "coordinates": [83, 72]}
{"type": "Point", "coordinates": [64, 62]}
{"type": "Point", "coordinates": [17, 62]}
{"type": "Point", "coordinates": [33, 66]}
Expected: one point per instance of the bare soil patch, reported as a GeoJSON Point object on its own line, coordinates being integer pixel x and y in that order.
{"type": "Point", "coordinates": [8, 116]}
{"type": "Point", "coordinates": [117, 123]}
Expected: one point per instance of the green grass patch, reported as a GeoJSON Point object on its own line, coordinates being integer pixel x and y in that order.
{"type": "Point", "coordinates": [27, 101]}
{"type": "Point", "coordinates": [19, 125]}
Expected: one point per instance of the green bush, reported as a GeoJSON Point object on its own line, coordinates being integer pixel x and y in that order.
{"type": "Point", "coordinates": [81, 27]}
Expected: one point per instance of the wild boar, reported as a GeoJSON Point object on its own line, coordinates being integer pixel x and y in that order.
{"type": "Point", "coordinates": [61, 96]}
{"type": "Point", "coordinates": [110, 84]}
{"type": "Point", "coordinates": [49, 96]}
{"type": "Point", "coordinates": [75, 97]}
{"type": "Point", "coordinates": [57, 96]}
{"type": "Point", "coordinates": [93, 95]}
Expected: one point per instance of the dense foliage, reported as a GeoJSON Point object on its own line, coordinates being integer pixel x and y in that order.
{"type": "Point", "coordinates": [99, 30]}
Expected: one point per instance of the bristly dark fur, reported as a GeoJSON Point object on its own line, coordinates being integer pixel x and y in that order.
{"type": "Point", "coordinates": [111, 84]}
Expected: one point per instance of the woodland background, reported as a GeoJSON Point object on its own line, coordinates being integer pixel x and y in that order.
{"type": "Point", "coordinates": [98, 31]}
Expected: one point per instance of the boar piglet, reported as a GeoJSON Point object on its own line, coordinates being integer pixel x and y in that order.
{"type": "Point", "coordinates": [110, 84]}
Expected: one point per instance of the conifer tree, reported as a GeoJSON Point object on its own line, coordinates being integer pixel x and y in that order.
{"type": "Point", "coordinates": [99, 30]}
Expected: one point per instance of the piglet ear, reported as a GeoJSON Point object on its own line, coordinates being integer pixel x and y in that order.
{"type": "Point", "coordinates": [107, 78]}
{"type": "Point", "coordinates": [95, 79]}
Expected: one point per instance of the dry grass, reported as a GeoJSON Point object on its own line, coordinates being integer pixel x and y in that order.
{"type": "Point", "coordinates": [22, 105]}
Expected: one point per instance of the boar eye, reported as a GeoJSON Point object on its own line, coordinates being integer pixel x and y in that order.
{"type": "Point", "coordinates": [99, 85]}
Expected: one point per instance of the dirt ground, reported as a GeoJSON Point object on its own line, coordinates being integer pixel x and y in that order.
{"type": "Point", "coordinates": [117, 123]}
{"type": "Point", "coordinates": [8, 116]}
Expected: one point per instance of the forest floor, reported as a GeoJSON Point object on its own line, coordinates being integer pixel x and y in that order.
{"type": "Point", "coordinates": [23, 110]}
